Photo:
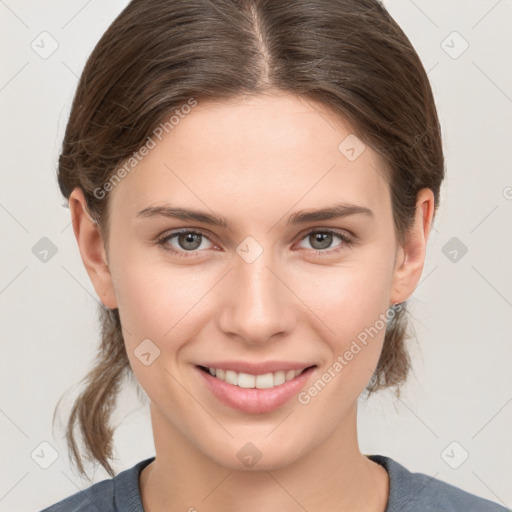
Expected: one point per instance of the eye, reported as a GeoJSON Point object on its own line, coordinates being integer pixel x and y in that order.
{"type": "Point", "coordinates": [321, 239]}
{"type": "Point", "coordinates": [191, 241]}
{"type": "Point", "coordinates": [187, 241]}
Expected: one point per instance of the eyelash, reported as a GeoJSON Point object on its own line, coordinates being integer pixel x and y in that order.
{"type": "Point", "coordinates": [347, 242]}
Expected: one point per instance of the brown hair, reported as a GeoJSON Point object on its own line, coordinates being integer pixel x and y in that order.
{"type": "Point", "coordinates": [348, 55]}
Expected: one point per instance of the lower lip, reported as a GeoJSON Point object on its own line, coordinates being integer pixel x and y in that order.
{"type": "Point", "coordinates": [254, 400]}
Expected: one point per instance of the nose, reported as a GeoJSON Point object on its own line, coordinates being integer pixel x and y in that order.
{"type": "Point", "coordinates": [257, 306]}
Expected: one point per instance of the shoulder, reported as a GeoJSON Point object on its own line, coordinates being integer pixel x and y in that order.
{"type": "Point", "coordinates": [417, 492]}
{"type": "Point", "coordinates": [113, 495]}
{"type": "Point", "coordinates": [99, 496]}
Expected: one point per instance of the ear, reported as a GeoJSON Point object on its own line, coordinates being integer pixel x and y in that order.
{"type": "Point", "coordinates": [410, 256]}
{"type": "Point", "coordinates": [92, 251]}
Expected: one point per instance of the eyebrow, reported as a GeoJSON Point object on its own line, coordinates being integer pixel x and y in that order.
{"type": "Point", "coordinates": [336, 211]}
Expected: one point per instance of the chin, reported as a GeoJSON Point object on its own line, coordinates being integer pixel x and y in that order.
{"type": "Point", "coordinates": [257, 453]}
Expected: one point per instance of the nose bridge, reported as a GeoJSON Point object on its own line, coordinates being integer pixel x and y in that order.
{"type": "Point", "coordinates": [257, 304]}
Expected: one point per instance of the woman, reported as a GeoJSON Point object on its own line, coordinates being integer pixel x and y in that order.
{"type": "Point", "coordinates": [252, 185]}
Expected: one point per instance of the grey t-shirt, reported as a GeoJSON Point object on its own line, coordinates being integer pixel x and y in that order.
{"type": "Point", "coordinates": [408, 492]}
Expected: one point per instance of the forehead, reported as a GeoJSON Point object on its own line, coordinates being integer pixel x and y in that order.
{"type": "Point", "coordinates": [256, 156]}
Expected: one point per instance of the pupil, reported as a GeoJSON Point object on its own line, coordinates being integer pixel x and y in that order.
{"type": "Point", "coordinates": [191, 238]}
{"type": "Point", "coordinates": [324, 239]}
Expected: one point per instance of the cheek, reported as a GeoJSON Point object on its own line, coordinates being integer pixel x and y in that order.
{"type": "Point", "coordinates": [161, 305]}
{"type": "Point", "coordinates": [352, 302]}
{"type": "Point", "coordinates": [348, 298]}
{"type": "Point", "coordinates": [159, 302]}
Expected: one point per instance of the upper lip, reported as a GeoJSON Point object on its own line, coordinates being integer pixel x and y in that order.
{"type": "Point", "coordinates": [257, 368]}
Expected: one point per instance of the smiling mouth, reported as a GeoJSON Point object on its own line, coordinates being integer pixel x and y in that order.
{"type": "Point", "coordinates": [251, 381]}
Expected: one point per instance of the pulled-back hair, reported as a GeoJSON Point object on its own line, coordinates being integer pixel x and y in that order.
{"type": "Point", "coordinates": [348, 55]}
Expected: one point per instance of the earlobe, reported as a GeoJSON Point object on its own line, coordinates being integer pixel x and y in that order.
{"type": "Point", "coordinates": [411, 255]}
{"type": "Point", "coordinates": [91, 247]}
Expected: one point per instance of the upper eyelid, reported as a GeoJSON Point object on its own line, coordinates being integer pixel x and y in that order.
{"type": "Point", "coordinates": [179, 231]}
{"type": "Point", "coordinates": [336, 231]}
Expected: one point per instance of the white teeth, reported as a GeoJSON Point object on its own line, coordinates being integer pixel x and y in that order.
{"type": "Point", "coordinates": [249, 381]}
{"type": "Point", "coordinates": [265, 381]}
{"type": "Point", "coordinates": [231, 377]}
{"type": "Point", "coordinates": [246, 380]}
{"type": "Point", "coordinates": [279, 378]}
{"type": "Point", "coordinates": [290, 374]}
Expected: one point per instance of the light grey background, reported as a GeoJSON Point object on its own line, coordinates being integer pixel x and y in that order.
{"type": "Point", "coordinates": [461, 389]}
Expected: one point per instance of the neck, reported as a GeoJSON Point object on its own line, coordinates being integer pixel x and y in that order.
{"type": "Point", "coordinates": [333, 476]}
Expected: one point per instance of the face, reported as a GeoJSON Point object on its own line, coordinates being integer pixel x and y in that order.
{"type": "Point", "coordinates": [274, 290]}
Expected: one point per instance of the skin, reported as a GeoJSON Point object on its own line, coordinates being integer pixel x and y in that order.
{"type": "Point", "coordinates": [254, 161]}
